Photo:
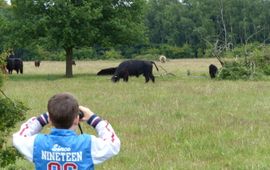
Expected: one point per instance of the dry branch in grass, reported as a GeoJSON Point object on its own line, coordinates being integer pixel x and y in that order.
{"type": "Point", "coordinates": [166, 72]}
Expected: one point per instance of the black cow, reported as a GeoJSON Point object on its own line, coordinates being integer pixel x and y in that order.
{"type": "Point", "coordinates": [134, 68]}
{"type": "Point", "coordinates": [37, 63]}
{"type": "Point", "coordinates": [213, 70]}
{"type": "Point", "coordinates": [107, 71]}
{"type": "Point", "coordinates": [14, 64]}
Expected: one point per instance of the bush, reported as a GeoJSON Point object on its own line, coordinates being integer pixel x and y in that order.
{"type": "Point", "coordinates": [252, 61]}
{"type": "Point", "coordinates": [233, 70]}
{"type": "Point", "coordinates": [266, 70]}
{"type": "Point", "coordinates": [58, 55]}
{"type": "Point", "coordinates": [8, 156]}
{"type": "Point", "coordinates": [242, 51]}
{"type": "Point", "coordinates": [152, 51]}
{"type": "Point", "coordinates": [177, 52]}
{"type": "Point", "coordinates": [261, 58]}
{"type": "Point", "coordinates": [11, 113]}
{"type": "Point", "coordinates": [146, 57]}
{"type": "Point", "coordinates": [187, 51]}
{"type": "Point", "coordinates": [41, 53]}
{"type": "Point", "coordinates": [200, 53]}
{"type": "Point", "coordinates": [112, 54]}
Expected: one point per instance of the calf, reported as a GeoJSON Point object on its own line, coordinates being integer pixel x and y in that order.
{"type": "Point", "coordinates": [37, 63]}
{"type": "Point", "coordinates": [134, 68]}
{"type": "Point", "coordinates": [162, 59]}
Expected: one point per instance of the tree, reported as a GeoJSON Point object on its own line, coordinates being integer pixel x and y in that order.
{"type": "Point", "coordinates": [4, 13]}
{"type": "Point", "coordinates": [70, 24]}
{"type": "Point", "coordinates": [164, 21]}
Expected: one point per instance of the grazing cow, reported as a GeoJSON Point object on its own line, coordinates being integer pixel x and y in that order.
{"type": "Point", "coordinates": [37, 63]}
{"type": "Point", "coordinates": [134, 68]}
{"type": "Point", "coordinates": [14, 64]}
{"type": "Point", "coordinates": [162, 59]}
{"type": "Point", "coordinates": [107, 71]}
{"type": "Point", "coordinates": [213, 70]}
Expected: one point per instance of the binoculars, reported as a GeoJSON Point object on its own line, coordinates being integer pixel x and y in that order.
{"type": "Point", "coordinates": [81, 114]}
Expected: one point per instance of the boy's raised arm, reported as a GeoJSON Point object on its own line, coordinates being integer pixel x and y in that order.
{"type": "Point", "coordinates": [23, 140]}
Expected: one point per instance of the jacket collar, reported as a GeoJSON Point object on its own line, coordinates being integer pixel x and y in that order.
{"type": "Point", "coordinates": [62, 132]}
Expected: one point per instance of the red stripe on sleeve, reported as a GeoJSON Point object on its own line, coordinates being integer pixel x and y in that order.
{"type": "Point", "coordinates": [22, 131]}
{"type": "Point", "coordinates": [113, 135]}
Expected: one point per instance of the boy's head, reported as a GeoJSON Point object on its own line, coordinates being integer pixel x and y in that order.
{"type": "Point", "coordinates": [63, 109]}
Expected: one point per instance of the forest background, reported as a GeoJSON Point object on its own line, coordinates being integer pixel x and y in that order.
{"type": "Point", "coordinates": [187, 29]}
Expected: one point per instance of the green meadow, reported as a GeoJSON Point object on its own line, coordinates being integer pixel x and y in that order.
{"type": "Point", "coordinates": [179, 122]}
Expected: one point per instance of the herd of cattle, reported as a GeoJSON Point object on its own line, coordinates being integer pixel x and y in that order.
{"type": "Point", "coordinates": [123, 71]}
{"type": "Point", "coordinates": [140, 67]}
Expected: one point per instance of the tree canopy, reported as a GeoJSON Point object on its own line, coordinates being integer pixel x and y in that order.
{"type": "Point", "coordinates": [77, 23]}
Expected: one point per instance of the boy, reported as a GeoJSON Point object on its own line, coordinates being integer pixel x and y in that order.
{"type": "Point", "coordinates": [63, 149]}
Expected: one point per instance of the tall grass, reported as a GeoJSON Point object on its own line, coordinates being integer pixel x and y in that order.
{"type": "Point", "coordinates": [181, 122]}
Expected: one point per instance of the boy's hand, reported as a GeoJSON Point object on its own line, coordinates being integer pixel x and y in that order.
{"type": "Point", "coordinates": [87, 113]}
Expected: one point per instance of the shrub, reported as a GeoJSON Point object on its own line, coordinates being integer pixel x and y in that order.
{"type": "Point", "coordinates": [252, 61]}
{"type": "Point", "coordinates": [233, 70]}
{"type": "Point", "coordinates": [57, 56]}
{"type": "Point", "coordinates": [146, 57]}
{"type": "Point", "coordinates": [152, 51]}
{"type": "Point", "coordinates": [187, 51]}
{"type": "Point", "coordinates": [261, 58]}
{"type": "Point", "coordinates": [112, 54]}
{"type": "Point", "coordinates": [200, 53]}
{"type": "Point", "coordinates": [266, 70]}
{"type": "Point", "coordinates": [11, 113]}
{"type": "Point", "coordinates": [177, 52]}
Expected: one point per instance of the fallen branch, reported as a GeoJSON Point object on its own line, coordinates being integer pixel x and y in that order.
{"type": "Point", "coordinates": [166, 72]}
{"type": "Point", "coordinates": [14, 104]}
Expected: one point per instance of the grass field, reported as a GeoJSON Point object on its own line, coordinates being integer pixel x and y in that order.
{"type": "Point", "coordinates": [179, 122]}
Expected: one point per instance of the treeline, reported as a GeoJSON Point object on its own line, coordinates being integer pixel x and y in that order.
{"type": "Point", "coordinates": [177, 29]}
{"type": "Point", "coordinates": [201, 23]}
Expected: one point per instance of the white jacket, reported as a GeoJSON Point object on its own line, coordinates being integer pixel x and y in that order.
{"type": "Point", "coordinates": [103, 147]}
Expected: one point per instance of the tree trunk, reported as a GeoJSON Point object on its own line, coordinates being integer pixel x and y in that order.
{"type": "Point", "coordinates": [224, 25]}
{"type": "Point", "coordinates": [69, 54]}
